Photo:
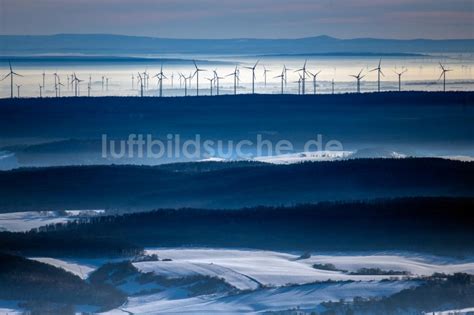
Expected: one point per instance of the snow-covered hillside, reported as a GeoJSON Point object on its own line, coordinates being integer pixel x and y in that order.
{"type": "Point", "coordinates": [262, 280]}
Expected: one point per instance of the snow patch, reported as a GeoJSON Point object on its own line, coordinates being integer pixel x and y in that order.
{"type": "Point", "coordinates": [309, 156]}
{"type": "Point", "coordinates": [81, 270]}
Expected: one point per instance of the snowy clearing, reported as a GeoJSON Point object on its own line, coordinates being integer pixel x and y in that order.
{"type": "Point", "coordinates": [25, 221]}
{"type": "Point", "coordinates": [277, 269]}
{"type": "Point", "coordinates": [81, 270]}
{"type": "Point", "coordinates": [273, 299]}
{"type": "Point", "coordinates": [304, 157]}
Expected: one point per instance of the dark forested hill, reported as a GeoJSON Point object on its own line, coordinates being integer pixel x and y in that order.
{"type": "Point", "coordinates": [68, 130]}
{"type": "Point", "coordinates": [39, 283]}
{"type": "Point", "coordinates": [233, 185]}
{"type": "Point", "coordinates": [437, 224]}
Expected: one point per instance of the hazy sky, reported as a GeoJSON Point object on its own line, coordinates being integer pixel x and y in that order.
{"type": "Point", "coordinates": [242, 18]}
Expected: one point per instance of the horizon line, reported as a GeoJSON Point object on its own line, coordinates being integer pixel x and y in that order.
{"type": "Point", "coordinates": [237, 38]}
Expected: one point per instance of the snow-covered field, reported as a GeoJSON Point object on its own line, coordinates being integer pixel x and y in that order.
{"type": "Point", "coordinates": [10, 308]}
{"type": "Point", "coordinates": [273, 269]}
{"type": "Point", "coordinates": [463, 311]}
{"type": "Point", "coordinates": [279, 281]}
{"type": "Point", "coordinates": [267, 280]}
{"type": "Point", "coordinates": [269, 299]}
{"type": "Point", "coordinates": [25, 221]}
{"type": "Point", "coordinates": [82, 270]}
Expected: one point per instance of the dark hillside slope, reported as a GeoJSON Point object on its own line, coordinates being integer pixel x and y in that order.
{"type": "Point", "coordinates": [145, 188]}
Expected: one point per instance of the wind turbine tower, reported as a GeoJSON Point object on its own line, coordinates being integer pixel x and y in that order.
{"type": "Point", "coordinates": [443, 74]}
{"type": "Point", "coordinates": [358, 78]}
{"type": "Point", "coordinates": [253, 75]}
{"type": "Point", "coordinates": [379, 72]}
{"type": "Point", "coordinates": [314, 79]}
{"type": "Point", "coordinates": [196, 73]}
{"type": "Point", "coordinates": [400, 79]}
{"type": "Point", "coordinates": [11, 74]}
{"type": "Point", "coordinates": [265, 70]}
{"type": "Point", "coordinates": [282, 77]}
{"type": "Point", "coordinates": [303, 77]}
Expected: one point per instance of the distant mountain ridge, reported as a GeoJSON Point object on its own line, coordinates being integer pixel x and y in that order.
{"type": "Point", "coordinates": [121, 44]}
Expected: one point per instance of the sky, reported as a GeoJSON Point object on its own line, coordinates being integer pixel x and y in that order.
{"type": "Point", "coordinates": [403, 19]}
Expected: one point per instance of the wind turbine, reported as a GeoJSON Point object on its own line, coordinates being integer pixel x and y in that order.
{"type": "Point", "coordinates": [160, 77]}
{"type": "Point", "coordinates": [358, 78]}
{"type": "Point", "coordinates": [285, 70]}
{"type": "Point", "coordinates": [282, 76]}
{"type": "Point", "coordinates": [133, 82]}
{"type": "Point", "coordinates": [400, 78]}
{"type": "Point", "coordinates": [217, 78]}
{"type": "Point", "coordinates": [44, 75]}
{"type": "Point", "coordinates": [253, 75]}
{"type": "Point", "coordinates": [103, 83]}
{"type": "Point", "coordinates": [314, 79]}
{"type": "Point", "coordinates": [41, 91]}
{"type": "Point", "coordinates": [443, 74]}
{"type": "Point", "coordinates": [18, 89]}
{"type": "Point", "coordinates": [145, 78]}
{"type": "Point", "coordinates": [11, 74]}
{"type": "Point", "coordinates": [89, 89]}
{"type": "Point", "coordinates": [299, 84]}
{"type": "Point", "coordinates": [196, 73]}
{"type": "Point", "coordinates": [76, 81]}
{"type": "Point", "coordinates": [332, 84]}
{"type": "Point", "coordinates": [265, 70]}
{"type": "Point", "coordinates": [303, 77]}
{"type": "Point", "coordinates": [72, 84]}
{"type": "Point", "coordinates": [379, 72]}
{"type": "Point", "coordinates": [181, 76]}
{"type": "Point", "coordinates": [190, 78]}
{"type": "Point", "coordinates": [235, 74]}
{"type": "Point", "coordinates": [185, 83]}
{"type": "Point", "coordinates": [56, 78]}
{"type": "Point", "coordinates": [57, 87]}
{"type": "Point", "coordinates": [140, 81]}
{"type": "Point", "coordinates": [211, 80]}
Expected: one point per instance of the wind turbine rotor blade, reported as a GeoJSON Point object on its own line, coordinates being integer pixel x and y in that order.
{"type": "Point", "coordinates": [6, 76]}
